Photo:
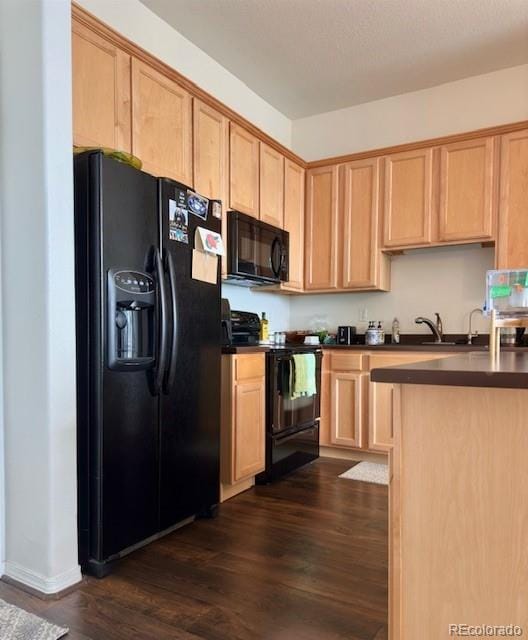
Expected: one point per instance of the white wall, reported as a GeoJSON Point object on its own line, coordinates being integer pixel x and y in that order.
{"type": "Point", "coordinates": [37, 270]}
{"type": "Point", "coordinates": [449, 281]}
{"type": "Point", "coordinates": [277, 307]}
{"type": "Point", "coordinates": [481, 101]}
{"type": "Point", "coordinates": [139, 24]}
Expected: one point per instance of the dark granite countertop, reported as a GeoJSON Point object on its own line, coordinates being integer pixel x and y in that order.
{"type": "Point", "coordinates": [455, 348]}
{"type": "Point", "coordinates": [427, 348]}
{"type": "Point", "coordinates": [463, 370]}
{"type": "Point", "coordinates": [254, 348]}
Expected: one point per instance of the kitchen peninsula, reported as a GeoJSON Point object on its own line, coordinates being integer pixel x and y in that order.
{"type": "Point", "coordinates": [458, 482]}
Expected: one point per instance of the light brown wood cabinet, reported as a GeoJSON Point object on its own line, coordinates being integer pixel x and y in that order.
{"type": "Point", "coordinates": [380, 410]}
{"type": "Point", "coordinates": [363, 265]}
{"type": "Point", "coordinates": [244, 160]}
{"type": "Point", "coordinates": [512, 249]}
{"type": "Point", "coordinates": [210, 152]}
{"type": "Point", "coordinates": [101, 91]}
{"type": "Point", "coordinates": [467, 205]}
{"type": "Point", "coordinates": [348, 408]}
{"type": "Point", "coordinates": [294, 222]}
{"type": "Point", "coordinates": [271, 186]}
{"type": "Point", "coordinates": [408, 198]}
{"type": "Point", "coordinates": [321, 229]}
{"type": "Point", "coordinates": [161, 124]}
{"type": "Point", "coordinates": [243, 417]}
{"type": "Point", "coordinates": [211, 159]}
{"type": "Point", "coordinates": [355, 412]}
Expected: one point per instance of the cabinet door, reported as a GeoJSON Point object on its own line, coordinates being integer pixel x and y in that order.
{"type": "Point", "coordinates": [408, 198]}
{"type": "Point", "coordinates": [321, 229]}
{"type": "Point", "coordinates": [101, 92]}
{"type": "Point", "coordinates": [347, 408]}
{"type": "Point", "coordinates": [361, 254]}
{"type": "Point", "coordinates": [211, 159]}
{"type": "Point", "coordinates": [380, 413]}
{"type": "Point", "coordinates": [467, 194]}
{"type": "Point", "coordinates": [249, 437]}
{"type": "Point", "coordinates": [294, 221]}
{"type": "Point", "coordinates": [271, 186]}
{"type": "Point", "coordinates": [512, 250]}
{"type": "Point", "coordinates": [381, 432]}
{"type": "Point", "coordinates": [244, 171]}
{"type": "Point", "coordinates": [210, 152]}
{"type": "Point", "coordinates": [162, 124]}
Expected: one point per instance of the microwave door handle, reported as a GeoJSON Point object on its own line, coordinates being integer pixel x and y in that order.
{"type": "Point", "coordinates": [276, 272]}
{"type": "Point", "coordinates": [282, 258]}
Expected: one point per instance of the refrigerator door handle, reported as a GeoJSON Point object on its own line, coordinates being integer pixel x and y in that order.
{"type": "Point", "coordinates": [162, 352]}
{"type": "Point", "coordinates": [171, 367]}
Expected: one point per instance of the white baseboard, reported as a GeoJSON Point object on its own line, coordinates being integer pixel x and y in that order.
{"type": "Point", "coordinates": [42, 583]}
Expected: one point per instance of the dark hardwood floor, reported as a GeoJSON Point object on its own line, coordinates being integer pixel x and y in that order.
{"type": "Point", "coordinates": [304, 559]}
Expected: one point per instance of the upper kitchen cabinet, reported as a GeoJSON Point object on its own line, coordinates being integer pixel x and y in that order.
{"type": "Point", "coordinates": [321, 229]}
{"type": "Point", "coordinates": [101, 91]}
{"type": "Point", "coordinates": [364, 266]}
{"type": "Point", "coordinates": [512, 247]}
{"type": "Point", "coordinates": [161, 124]}
{"type": "Point", "coordinates": [467, 193]}
{"type": "Point", "coordinates": [244, 155]}
{"type": "Point", "coordinates": [211, 158]}
{"type": "Point", "coordinates": [271, 186]}
{"type": "Point", "coordinates": [294, 221]}
{"type": "Point", "coordinates": [408, 199]}
{"type": "Point", "coordinates": [210, 152]}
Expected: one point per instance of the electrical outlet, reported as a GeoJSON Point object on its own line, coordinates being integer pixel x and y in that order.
{"type": "Point", "coordinates": [363, 314]}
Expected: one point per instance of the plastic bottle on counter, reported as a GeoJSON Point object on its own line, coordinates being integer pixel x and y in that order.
{"type": "Point", "coordinates": [395, 331]}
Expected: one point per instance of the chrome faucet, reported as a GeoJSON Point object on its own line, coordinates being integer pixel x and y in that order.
{"type": "Point", "coordinates": [470, 334]}
{"type": "Point", "coordinates": [436, 327]}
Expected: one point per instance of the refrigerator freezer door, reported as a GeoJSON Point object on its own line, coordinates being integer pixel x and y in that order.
{"type": "Point", "coordinates": [190, 402]}
{"type": "Point", "coordinates": [118, 416]}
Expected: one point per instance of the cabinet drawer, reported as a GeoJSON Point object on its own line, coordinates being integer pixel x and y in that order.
{"type": "Point", "coordinates": [346, 361]}
{"type": "Point", "coordinates": [249, 366]}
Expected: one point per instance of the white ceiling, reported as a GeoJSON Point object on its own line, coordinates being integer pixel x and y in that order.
{"type": "Point", "coordinates": [310, 56]}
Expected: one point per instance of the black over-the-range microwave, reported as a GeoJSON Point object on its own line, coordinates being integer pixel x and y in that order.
{"type": "Point", "coordinates": [257, 253]}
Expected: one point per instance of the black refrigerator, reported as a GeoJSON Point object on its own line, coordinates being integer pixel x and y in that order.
{"type": "Point", "coordinates": [148, 359]}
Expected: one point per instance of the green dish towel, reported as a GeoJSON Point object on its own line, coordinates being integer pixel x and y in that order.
{"type": "Point", "coordinates": [303, 375]}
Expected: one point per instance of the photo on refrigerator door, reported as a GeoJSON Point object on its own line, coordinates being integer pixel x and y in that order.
{"type": "Point", "coordinates": [178, 223]}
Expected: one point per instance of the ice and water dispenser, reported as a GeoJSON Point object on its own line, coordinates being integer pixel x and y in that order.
{"type": "Point", "coordinates": [131, 319]}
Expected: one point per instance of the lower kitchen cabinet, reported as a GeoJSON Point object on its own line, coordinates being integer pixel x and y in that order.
{"type": "Point", "coordinates": [348, 408]}
{"type": "Point", "coordinates": [355, 412]}
{"type": "Point", "coordinates": [380, 416]}
{"type": "Point", "coordinates": [243, 421]}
